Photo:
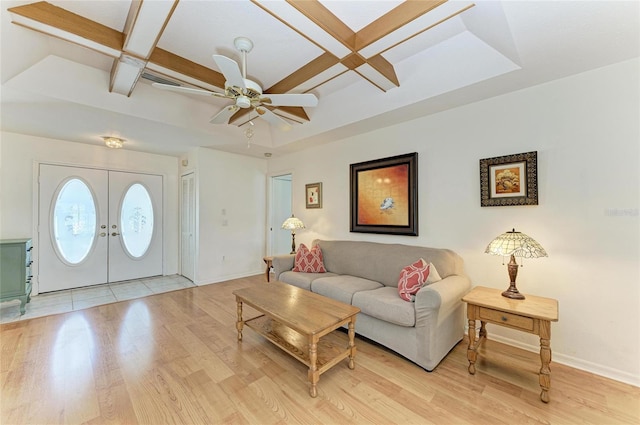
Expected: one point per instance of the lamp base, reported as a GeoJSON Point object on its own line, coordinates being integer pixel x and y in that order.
{"type": "Point", "coordinates": [293, 242]}
{"type": "Point", "coordinates": [513, 293]}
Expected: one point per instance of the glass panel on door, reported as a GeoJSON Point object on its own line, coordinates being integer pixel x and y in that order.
{"type": "Point", "coordinates": [74, 222]}
{"type": "Point", "coordinates": [136, 220]}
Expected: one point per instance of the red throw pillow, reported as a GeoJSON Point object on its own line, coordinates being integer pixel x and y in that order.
{"type": "Point", "coordinates": [309, 261]}
{"type": "Point", "coordinates": [412, 278]}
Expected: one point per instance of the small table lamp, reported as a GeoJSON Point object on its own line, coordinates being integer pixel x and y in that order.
{"type": "Point", "coordinates": [293, 223]}
{"type": "Point", "coordinates": [515, 244]}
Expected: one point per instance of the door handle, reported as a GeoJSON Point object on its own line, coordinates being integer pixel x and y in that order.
{"type": "Point", "coordinates": [103, 234]}
{"type": "Point", "coordinates": [115, 234]}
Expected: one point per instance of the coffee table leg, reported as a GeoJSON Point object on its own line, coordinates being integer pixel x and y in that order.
{"type": "Point", "coordinates": [239, 323]}
{"type": "Point", "coordinates": [352, 344]}
{"type": "Point", "coordinates": [314, 376]}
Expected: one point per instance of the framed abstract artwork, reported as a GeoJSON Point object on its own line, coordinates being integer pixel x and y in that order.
{"type": "Point", "coordinates": [313, 194]}
{"type": "Point", "coordinates": [509, 180]}
{"type": "Point", "coordinates": [384, 195]}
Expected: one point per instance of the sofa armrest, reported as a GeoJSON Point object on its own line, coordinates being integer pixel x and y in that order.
{"type": "Point", "coordinates": [440, 299]}
{"type": "Point", "coordinates": [282, 263]}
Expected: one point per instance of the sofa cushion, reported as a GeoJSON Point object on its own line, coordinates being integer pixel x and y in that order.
{"type": "Point", "coordinates": [383, 262]}
{"type": "Point", "coordinates": [342, 287]}
{"type": "Point", "coordinates": [384, 304]}
{"type": "Point", "coordinates": [412, 277]}
{"type": "Point", "coordinates": [434, 276]}
{"type": "Point", "coordinates": [309, 261]}
{"type": "Point", "coordinates": [301, 280]}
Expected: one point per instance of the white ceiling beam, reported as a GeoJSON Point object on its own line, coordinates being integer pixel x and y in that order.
{"type": "Point", "coordinates": [125, 74]}
{"type": "Point", "coordinates": [144, 26]}
{"type": "Point", "coordinates": [145, 23]}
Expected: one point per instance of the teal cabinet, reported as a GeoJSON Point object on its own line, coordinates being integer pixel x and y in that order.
{"type": "Point", "coordinates": [15, 271]}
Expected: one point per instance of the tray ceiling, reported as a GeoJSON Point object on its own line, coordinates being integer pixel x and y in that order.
{"type": "Point", "coordinates": [370, 63]}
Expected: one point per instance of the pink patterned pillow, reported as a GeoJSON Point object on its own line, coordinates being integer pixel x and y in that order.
{"type": "Point", "coordinates": [412, 278]}
{"type": "Point", "coordinates": [309, 261]}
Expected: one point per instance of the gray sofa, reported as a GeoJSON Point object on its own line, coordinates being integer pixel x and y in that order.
{"type": "Point", "coordinates": [365, 274]}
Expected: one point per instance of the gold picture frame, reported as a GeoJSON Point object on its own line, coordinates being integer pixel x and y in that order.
{"type": "Point", "coordinates": [313, 195]}
{"type": "Point", "coordinates": [509, 180]}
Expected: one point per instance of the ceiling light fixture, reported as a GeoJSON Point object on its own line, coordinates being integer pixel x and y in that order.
{"type": "Point", "coordinates": [113, 142]}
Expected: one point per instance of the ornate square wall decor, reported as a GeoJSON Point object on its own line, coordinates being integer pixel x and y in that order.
{"type": "Point", "coordinates": [509, 180]}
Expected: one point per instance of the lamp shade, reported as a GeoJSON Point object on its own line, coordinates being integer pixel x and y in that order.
{"type": "Point", "coordinates": [293, 223]}
{"type": "Point", "coordinates": [517, 244]}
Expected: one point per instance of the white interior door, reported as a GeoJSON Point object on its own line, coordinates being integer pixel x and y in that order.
{"type": "Point", "coordinates": [187, 227]}
{"type": "Point", "coordinates": [97, 226]}
{"type": "Point", "coordinates": [135, 225]}
{"type": "Point", "coordinates": [73, 218]}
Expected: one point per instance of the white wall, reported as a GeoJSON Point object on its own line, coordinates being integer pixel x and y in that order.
{"type": "Point", "coordinates": [586, 131]}
{"type": "Point", "coordinates": [231, 215]}
{"type": "Point", "coordinates": [19, 155]}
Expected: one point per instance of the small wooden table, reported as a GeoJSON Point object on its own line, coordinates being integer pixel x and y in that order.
{"type": "Point", "coordinates": [533, 315]}
{"type": "Point", "coordinates": [301, 323]}
{"type": "Point", "coordinates": [269, 262]}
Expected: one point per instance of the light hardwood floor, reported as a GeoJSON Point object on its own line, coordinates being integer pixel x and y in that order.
{"type": "Point", "coordinates": [175, 358]}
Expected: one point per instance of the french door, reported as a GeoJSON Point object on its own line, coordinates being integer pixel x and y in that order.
{"type": "Point", "coordinates": [97, 226]}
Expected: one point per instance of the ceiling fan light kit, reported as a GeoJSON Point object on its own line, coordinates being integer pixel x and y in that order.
{"type": "Point", "coordinates": [245, 93]}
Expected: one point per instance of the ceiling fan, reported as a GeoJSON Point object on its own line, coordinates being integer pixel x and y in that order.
{"type": "Point", "coordinates": [244, 92]}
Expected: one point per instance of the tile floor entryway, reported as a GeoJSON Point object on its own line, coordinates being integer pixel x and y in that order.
{"type": "Point", "coordinates": [91, 296]}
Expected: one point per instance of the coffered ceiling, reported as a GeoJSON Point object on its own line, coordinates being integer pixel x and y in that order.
{"type": "Point", "coordinates": [79, 70]}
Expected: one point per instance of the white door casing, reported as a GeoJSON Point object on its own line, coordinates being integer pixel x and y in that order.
{"type": "Point", "coordinates": [187, 226]}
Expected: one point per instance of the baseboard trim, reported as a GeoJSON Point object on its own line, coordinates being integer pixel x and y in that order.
{"type": "Point", "coordinates": [607, 372]}
{"type": "Point", "coordinates": [218, 279]}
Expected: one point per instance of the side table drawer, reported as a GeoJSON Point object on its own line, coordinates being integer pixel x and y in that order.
{"type": "Point", "coordinates": [513, 320]}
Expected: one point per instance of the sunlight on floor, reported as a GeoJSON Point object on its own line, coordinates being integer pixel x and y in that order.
{"type": "Point", "coordinates": [80, 298]}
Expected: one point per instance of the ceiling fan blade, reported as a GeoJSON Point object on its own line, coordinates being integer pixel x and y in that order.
{"type": "Point", "coordinates": [272, 118]}
{"type": "Point", "coordinates": [290, 99]}
{"type": "Point", "coordinates": [230, 70]}
{"type": "Point", "coordinates": [188, 90]}
{"type": "Point", "coordinates": [224, 115]}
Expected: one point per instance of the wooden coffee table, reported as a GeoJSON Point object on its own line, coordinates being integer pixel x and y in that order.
{"type": "Point", "coordinates": [300, 323]}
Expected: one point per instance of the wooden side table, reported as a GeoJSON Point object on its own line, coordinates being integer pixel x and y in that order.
{"type": "Point", "coordinates": [533, 315]}
{"type": "Point", "coordinates": [269, 262]}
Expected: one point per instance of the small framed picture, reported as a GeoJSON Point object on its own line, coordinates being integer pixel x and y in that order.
{"type": "Point", "coordinates": [509, 180]}
{"type": "Point", "coordinates": [313, 193]}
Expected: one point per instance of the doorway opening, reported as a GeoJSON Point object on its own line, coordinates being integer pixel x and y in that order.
{"type": "Point", "coordinates": [281, 209]}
